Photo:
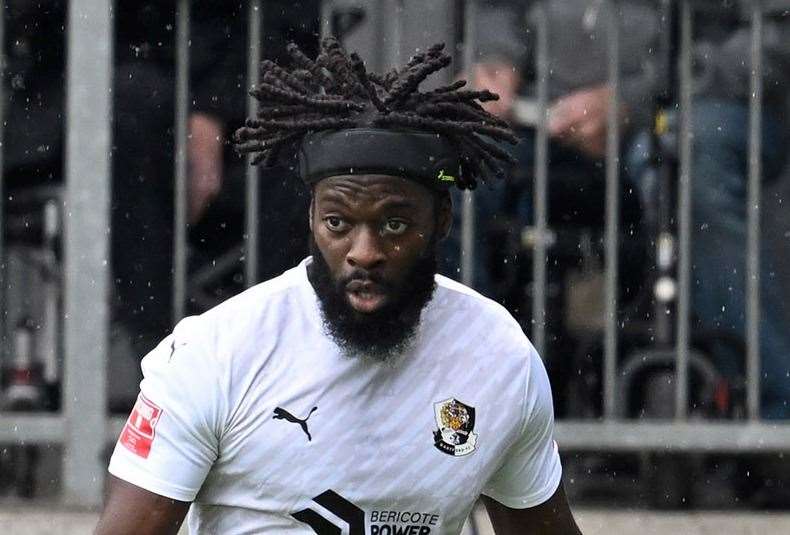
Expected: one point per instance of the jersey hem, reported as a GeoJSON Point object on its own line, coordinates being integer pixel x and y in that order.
{"type": "Point", "coordinates": [151, 484]}
{"type": "Point", "coordinates": [530, 500]}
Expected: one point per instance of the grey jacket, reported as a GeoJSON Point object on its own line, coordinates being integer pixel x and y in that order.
{"type": "Point", "coordinates": [577, 35]}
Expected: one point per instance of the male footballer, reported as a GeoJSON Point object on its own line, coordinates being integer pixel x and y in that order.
{"type": "Point", "coordinates": [358, 392]}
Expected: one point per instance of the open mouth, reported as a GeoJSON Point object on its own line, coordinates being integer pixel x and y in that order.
{"type": "Point", "coordinates": [365, 296]}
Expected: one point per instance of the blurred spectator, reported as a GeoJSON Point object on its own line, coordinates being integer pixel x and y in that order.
{"type": "Point", "coordinates": [283, 200]}
{"type": "Point", "coordinates": [577, 124]}
{"type": "Point", "coordinates": [142, 158]}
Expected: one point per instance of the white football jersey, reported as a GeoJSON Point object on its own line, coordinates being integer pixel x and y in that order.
{"type": "Point", "coordinates": [252, 413]}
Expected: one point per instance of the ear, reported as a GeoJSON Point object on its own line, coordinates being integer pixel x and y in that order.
{"type": "Point", "coordinates": [310, 212]}
{"type": "Point", "coordinates": [445, 219]}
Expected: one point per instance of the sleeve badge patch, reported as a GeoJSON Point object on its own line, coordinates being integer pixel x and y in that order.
{"type": "Point", "coordinates": [139, 432]}
{"type": "Point", "coordinates": [456, 422]}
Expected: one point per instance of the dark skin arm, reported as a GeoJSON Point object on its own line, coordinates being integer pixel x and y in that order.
{"type": "Point", "coordinates": [552, 517]}
{"type": "Point", "coordinates": [130, 510]}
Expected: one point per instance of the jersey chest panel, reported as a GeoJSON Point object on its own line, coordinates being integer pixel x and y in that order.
{"type": "Point", "coordinates": [389, 440]}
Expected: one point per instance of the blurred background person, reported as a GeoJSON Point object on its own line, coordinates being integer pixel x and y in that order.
{"type": "Point", "coordinates": [143, 115]}
{"type": "Point", "coordinates": [283, 201]}
{"type": "Point", "coordinates": [579, 105]}
{"type": "Point", "coordinates": [143, 149]}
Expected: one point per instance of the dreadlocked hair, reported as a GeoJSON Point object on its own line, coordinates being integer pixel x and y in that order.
{"type": "Point", "coordinates": [335, 91]}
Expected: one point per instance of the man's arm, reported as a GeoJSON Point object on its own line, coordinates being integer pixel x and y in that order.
{"type": "Point", "coordinates": [525, 495]}
{"type": "Point", "coordinates": [552, 517]}
{"type": "Point", "coordinates": [130, 510]}
{"type": "Point", "coordinates": [169, 442]}
{"type": "Point", "coordinates": [205, 163]}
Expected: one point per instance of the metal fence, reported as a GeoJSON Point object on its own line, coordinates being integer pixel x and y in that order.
{"type": "Point", "coordinates": [681, 434]}
{"type": "Point", "coordinates": [83, 427]}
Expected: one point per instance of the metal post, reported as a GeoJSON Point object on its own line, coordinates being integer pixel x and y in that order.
{"type": "Point", "coordinates": [438, 21]}
{"type": "Point", "coordinates": [379, 56]}
{"type": "Point", "coordinates": [612, 210]}
{"type": "Point", "coordinates": [684, 213]}
{"type": "Point", "coordinates": [389, 40]}
{"type": "Point", "coordinates": [397, 35]}
{"type": "Point", "coordinates": [3, 312]}
{"type": "Point", "coordinates": [753, 374]}
{"type": "Point", "coordinates": [181, 163]}
{"type": "Point", "coordinates": [253, 185]}
{"type": "Point", "coordinates": [88, 170]}
{"type": "Point", "coordinates": [325, 24]}
{"type": "Point", "coordinates": [468, 206]}
{"type": "Point", "coordinates": [539, 278]}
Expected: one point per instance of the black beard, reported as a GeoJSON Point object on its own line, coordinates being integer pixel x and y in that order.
{"type": "Point", "coordinates": [385, 332]}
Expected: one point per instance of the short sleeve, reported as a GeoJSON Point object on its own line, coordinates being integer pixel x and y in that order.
{"type": "Point", "coordinates": [531, 471]}
{"type": "Point", "coordinates": [170, 440]}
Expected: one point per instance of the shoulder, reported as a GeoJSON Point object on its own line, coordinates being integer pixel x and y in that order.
{"type": "Point", "coordinates": [490, 324]}
{"type": "Point", "coordinates": [218, 334]}
{"type": "Point", "coordinates": [479, 328]}
{"type": "Point", "coordinates": [205, 355]}
{"type": "Point", "coordinates": [258, 298]}
{"type": "Point", "coordinates": [465, 305]}
{"type": "Point", "coordinates": [450, 290]}
{"type": "Point", "coordinates": [262, 306]}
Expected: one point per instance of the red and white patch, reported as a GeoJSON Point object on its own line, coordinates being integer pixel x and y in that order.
{"type": "Point", "coordinates": [139, 432]}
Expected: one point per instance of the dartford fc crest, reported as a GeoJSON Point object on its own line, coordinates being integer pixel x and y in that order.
{"type": "Point", "coordinates": [456, 422]}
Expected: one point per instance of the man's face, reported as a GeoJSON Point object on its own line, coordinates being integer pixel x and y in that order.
{"type": "Point", "coordinates": [374, 243]}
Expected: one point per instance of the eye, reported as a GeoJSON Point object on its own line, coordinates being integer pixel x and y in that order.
{"type": "Point", "coordinates": [395, 226]}
{"type": "Point", "coordinates": [335, 224]}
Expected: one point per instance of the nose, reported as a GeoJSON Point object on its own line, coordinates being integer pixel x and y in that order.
{"type": "Point", "coordinates": [366, 250]}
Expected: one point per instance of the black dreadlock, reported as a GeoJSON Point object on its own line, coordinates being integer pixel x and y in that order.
{"type": "Point", "coordinates": [335, 91]}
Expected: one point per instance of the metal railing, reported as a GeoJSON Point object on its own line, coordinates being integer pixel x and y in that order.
{"type": "Point", "coordinates": [679, 435]}
{"type": "Point", "coordinates": [83, 427]}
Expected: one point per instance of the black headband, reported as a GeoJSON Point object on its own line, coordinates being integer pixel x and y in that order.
{"type": "Point", "coordinates": [428, 158]}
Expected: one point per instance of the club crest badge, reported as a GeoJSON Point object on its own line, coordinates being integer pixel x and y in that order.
{"type": "Point", "coordinates": [455, 435]}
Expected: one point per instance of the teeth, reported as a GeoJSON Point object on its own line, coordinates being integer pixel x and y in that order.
{"type": "Point", "coordinates": [364, 294]}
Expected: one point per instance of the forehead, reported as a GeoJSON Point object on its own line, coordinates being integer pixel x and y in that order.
{"type": "Point", "coordinates": [371, 189]}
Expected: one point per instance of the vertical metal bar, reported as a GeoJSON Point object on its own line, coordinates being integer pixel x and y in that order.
{"type": "Point", "coordinates": [397, 36]}
{"type": "Point", "coordinates": [325, 24]}
{"type": "Point", "coordinates": [87, 214]}
{"type": "Point", "coordinates": [50, 333]}
{"type": "Point", "coordinates": [753, 233]}
{"type": "Point", "coordinates": [379, 11]}
{"type": "Point", "coordinates": [180, 163]}
{"type": "Point", "coordinates": [468, 221]}
{"type": "Point", "coordinates": [3, 313]}
{"type": "Point", "coordinates": [684, 213]}
{"type": "Point", "coordinates": [468, 224]}
{"type": "Point", "coordinates": [468, 206]}
{"type": "Point", "coordinates": [541, 181]}
{"type": "Point", "coordinates": [252, 177]}
{"type": "Point", "coordinates": [612, 229]}
{"type": "Point", "coordinates": [439, 21]}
